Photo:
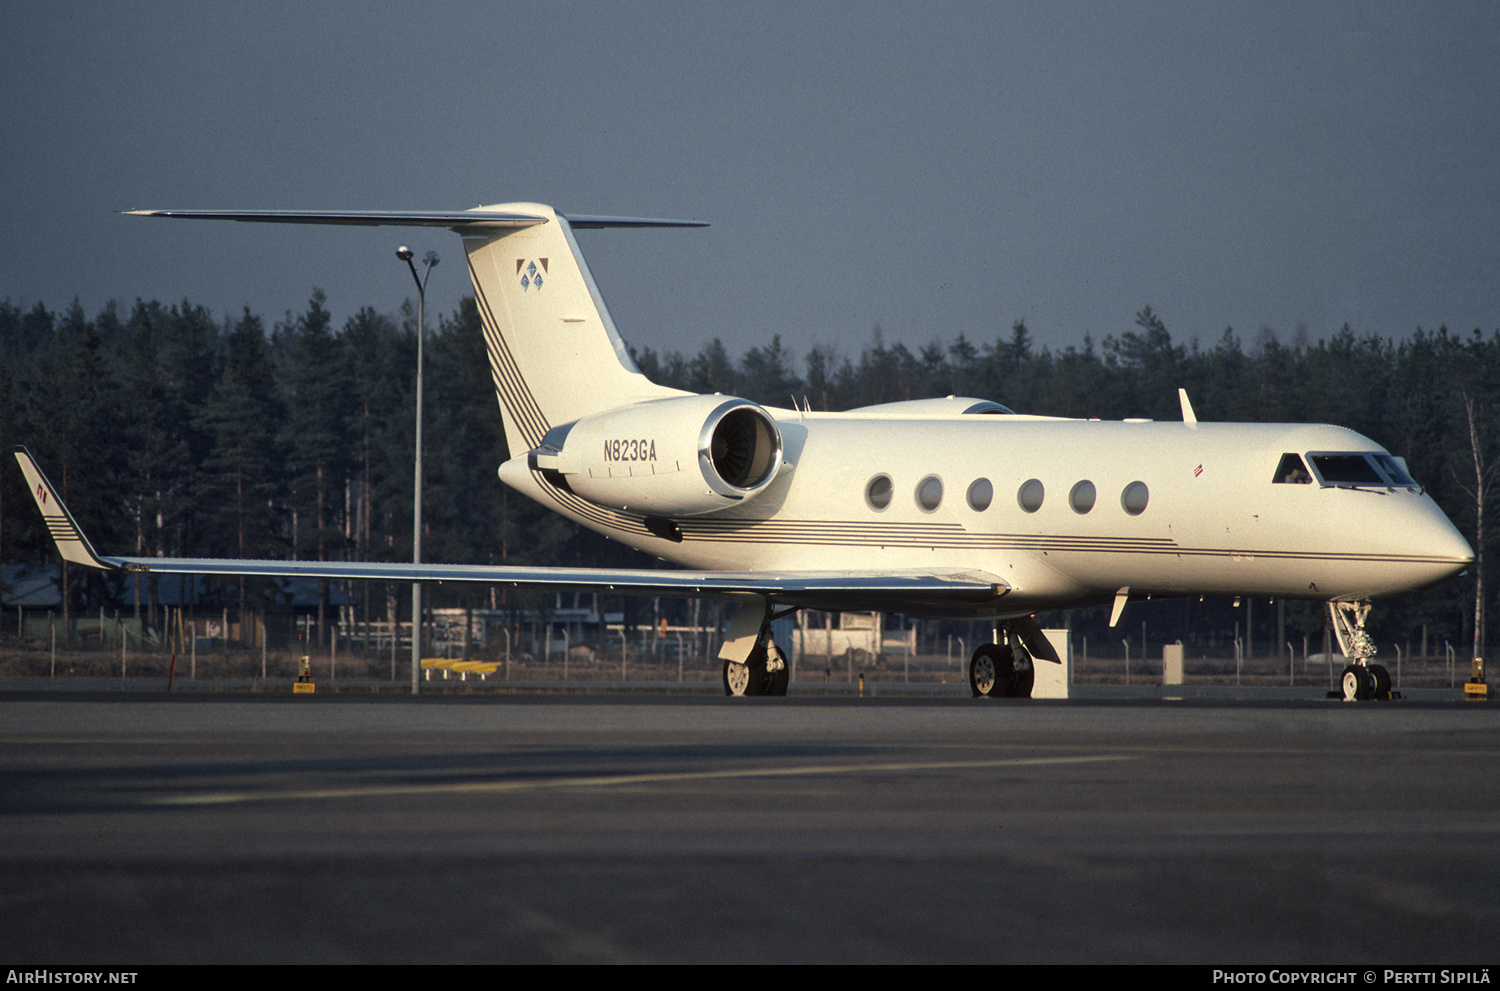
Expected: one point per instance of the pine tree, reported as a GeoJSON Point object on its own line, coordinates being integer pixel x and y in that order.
{"type": "Point", "coordinates": [317, 382]}
{"type": "Point", "coordinates": [241, 475]}
{"type": "Point", "coordinates": [74, 417]}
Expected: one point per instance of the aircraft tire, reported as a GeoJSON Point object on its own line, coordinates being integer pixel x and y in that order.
{"type": "Point", "coordinates": [1356, 684]}
{"type": "Point", "coordinates": [992, 671]}
{"type": "Point", "coordinates": [1382, 679]}
{"type": "Point", "coordinates": [741, 680]}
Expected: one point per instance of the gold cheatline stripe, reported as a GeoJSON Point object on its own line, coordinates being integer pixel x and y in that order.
{"type": "Point", "coordinates": [512, 390]}
{"type": "Point", "coordinates": [858, 535]}
{"type": "Point", "coordinates": [512, 404]}
{"type": "Point", "coordinates": [586, 509]}
{"type": "Point", "coordinates": [517, 397]}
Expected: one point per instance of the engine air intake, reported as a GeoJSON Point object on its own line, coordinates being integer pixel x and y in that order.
{"type": "Point", "coordinates": [744, 447]}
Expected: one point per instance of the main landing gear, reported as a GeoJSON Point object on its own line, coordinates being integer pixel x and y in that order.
{"type": "Point", "coordinates": [1360, 680]}
{"type": "Point", "coordinates": [753, 664]}
{"type": "Point", "coordinates": [764, 672]}
{"type": "Point", "coordinates": [1003, 669]}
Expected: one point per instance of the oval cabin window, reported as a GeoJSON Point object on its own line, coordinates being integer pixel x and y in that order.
{"type": "Point", "coordinates": [981, 493]}
{"type": "Point", "coordinates": [1082, 497]}
{"type": "Point", "coordinates": [930, 493]}
{"type": "Point", "coordinates": [1031, 495]}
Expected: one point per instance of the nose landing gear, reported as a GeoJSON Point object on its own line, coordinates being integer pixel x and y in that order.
{"type": "Point", "coordinates": [1361, 680]}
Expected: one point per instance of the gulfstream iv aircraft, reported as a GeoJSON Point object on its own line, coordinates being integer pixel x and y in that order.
{"type": "Point", "coordinates": [951, 507]}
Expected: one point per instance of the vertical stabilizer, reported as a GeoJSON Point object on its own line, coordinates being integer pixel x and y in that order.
{"type": "Point", "coordinates": [553, 349]}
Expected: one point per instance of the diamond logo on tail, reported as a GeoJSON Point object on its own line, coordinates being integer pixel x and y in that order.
{"type": "Point", "coordinates": [532, 274]}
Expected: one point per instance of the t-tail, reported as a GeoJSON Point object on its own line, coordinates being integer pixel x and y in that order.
{"type": "Point", "coordinates": [554, 351]}
{"type": "Point", "coordinates": [553, 348]}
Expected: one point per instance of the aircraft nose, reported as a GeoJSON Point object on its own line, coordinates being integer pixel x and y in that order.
{"type": "Point", "coordinates": [1459, 549]}
{"type": "Point", "coordinates": [1436, 539]}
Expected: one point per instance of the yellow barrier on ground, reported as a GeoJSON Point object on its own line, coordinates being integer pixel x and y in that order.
{"type": "Point", "coordinates": [445, 664]}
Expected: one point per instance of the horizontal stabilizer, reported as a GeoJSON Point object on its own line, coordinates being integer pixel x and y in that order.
{"type": "Point", "coordinates": [578, 222]}
{"type": "Point", "coordinates": [360, 218]}
{"type": "Point", "coordinates": [479, 218]}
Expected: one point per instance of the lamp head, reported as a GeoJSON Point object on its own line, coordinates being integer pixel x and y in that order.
{"type": "Point", "coordinates": [404, 253]}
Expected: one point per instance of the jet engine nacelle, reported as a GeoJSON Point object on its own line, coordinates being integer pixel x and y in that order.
{"type": "Point", "coordinates": [668, 457]}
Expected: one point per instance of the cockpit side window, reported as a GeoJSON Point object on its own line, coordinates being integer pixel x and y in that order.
{"type": "Point", "coordinates": [1291, 471]}
{"type": "Point", "coordinates": [1395, 470]}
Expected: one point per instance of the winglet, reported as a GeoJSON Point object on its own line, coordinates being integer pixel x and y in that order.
{"type": "Point", "coordinates": [71, 543]}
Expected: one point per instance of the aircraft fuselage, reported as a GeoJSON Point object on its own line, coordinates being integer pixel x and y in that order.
{"type": "Point", "coordinates": [1062, 510]}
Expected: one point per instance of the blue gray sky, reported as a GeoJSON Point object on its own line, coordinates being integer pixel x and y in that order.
{"type": "Point", "coordinates": [933, 168]}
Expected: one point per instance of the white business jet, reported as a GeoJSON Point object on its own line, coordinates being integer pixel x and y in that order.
{"type": "Point", "coordinates": [953, 507]}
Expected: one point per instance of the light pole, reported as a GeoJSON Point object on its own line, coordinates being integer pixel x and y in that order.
{"type": "Point", "coordinates": [428, 260]}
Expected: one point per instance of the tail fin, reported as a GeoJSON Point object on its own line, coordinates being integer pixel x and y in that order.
{"type": "Point", "coordinates": [554, 351]}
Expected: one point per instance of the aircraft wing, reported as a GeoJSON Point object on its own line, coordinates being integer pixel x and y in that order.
{"type": "Point", "coordinates": [833, 589]}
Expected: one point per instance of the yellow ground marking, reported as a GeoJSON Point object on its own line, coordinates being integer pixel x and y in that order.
{"type": "Point", "coordinates": [614, 781]}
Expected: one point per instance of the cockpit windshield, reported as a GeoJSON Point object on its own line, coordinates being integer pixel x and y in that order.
{"type": "Point", "coordinates": [1346, 469]}
{"type": "Point", "coordinates": [1360, 468]}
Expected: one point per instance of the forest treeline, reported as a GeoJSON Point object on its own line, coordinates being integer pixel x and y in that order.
{"type": "Point", "coordinates": [173, 431]}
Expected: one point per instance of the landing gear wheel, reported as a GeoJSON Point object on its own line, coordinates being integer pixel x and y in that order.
{"type": "Point", "coordinates": [1382, 679]}
{"type": "Point", "coordinates": [745, 679]}
{"type": "Point", "coordinates": [1357, 683]}
{"type": "Point", "coordinates": [992, 671]}
{"type": "Point", "coordinates": [982, 671]}
{"type": "Point", "coordinates": [778, 671]}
